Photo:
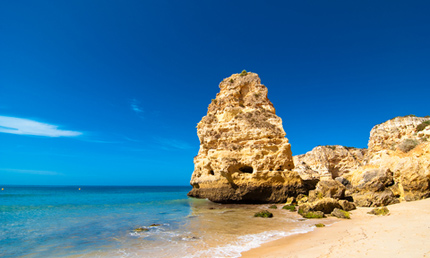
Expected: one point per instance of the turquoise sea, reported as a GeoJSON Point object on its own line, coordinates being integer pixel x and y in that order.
{"type": "Point", "coordinates": [100, 221]}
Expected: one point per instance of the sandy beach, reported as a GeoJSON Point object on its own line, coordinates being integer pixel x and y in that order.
{"type": "Point", "coordinates": [404, 233]}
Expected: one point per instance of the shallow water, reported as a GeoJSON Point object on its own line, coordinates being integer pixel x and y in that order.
{"type": "Point", "coordinates": [100, 222]}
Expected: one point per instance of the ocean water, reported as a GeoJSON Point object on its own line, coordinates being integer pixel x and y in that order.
{"type": "Point", "coordinates": [99, 221]}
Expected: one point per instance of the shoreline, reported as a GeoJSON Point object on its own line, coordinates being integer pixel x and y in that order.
{"type": "Point", "coordinates": [404, 233]}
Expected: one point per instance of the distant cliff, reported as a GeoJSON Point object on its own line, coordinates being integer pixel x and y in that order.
{"type": "Point", "coordinates": [329, 161]}
{"type": "Point", "coordinates": [244, 156]}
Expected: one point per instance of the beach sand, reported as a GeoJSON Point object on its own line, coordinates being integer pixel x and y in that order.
{"type": "Point", "coordinates": [404, 233]}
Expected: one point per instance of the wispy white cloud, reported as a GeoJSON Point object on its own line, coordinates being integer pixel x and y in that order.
{"type": "Point", "coordinates": [16, 125]}
{"type": "Point", "coordinates": [103, 141]}
{"type": "Point", "coordinates": [131, 140]}
{"type": "Point", "coordinates": [30, 171]}
{"type": "Point", "coordinates": [135, 106]}
{"type": "Point", "coordinates": [166, 143]}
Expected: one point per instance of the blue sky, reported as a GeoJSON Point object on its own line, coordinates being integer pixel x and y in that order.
{"type": "Point", "coordinates": [110, 92]}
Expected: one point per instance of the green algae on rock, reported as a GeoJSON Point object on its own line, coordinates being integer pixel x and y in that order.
{"type": "Point", "coordinates": [381, 211]}
{"type": "Point", "coordinates": [264, 214]}
{"type": "Point", "coordinates": [289, 207]}
{"type": "Point", "coordinates": [311, 214]}
{"type": "Point", "coordinates": [341, 214]}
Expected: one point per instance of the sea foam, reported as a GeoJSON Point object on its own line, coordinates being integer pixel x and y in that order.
{"type": "Point", "coordinates": [248, 242]}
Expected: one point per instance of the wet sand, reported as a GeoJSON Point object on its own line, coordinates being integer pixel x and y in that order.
{"type": "Point", "coordinates": [404, 233]}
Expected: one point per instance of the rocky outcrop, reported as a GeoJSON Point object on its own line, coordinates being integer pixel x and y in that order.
{"type": "Point", "coordinates": [391, 134]}
{"type": "Point", "coordinates": [341, 214]}
{"type": "Point", "coordinates": [398, 164]}
{"type": "Point", "coordinates": [347, 205]}
{"type": "Point", "coordinates": [411, 171]}
{"type": "Point", "coordinates": [329, 188]}
{"type": "Point", "coordinates": [371, 187]}
{"type": "Point", "coordinates": [395, 167]}
{"type": "Point", "coordinates": [244, 156]}
{"type": "Point", "coordinates": [329, 161]}
{"type": "Point", "coordinates": [325, 205]}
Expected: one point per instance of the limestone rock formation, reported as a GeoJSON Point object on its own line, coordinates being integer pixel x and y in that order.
{"type": "Point", "coordinates": [330, 188]}
{"type": "Point", "coordinates": [244, 156]}
{"type": "Point", "coordinates": [328, 162]}
{"type": "Point", "coordinates": [372, 187]}
{"type": "Point", "coordinates": [346, 205]}
{"type": "Point", "coordinates": [395, 167]}
{"type": "Point", "coordinates": [410, 173]}
{"type": "Point", "coordinates": [398, 164]}
{"type": "Point", "coordinates": [326, 205]}
{"type": "Point", "coordinates": [390, 134]}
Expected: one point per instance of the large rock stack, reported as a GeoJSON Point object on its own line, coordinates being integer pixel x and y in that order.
{"type": "Point", "coordinates": [244, 156]}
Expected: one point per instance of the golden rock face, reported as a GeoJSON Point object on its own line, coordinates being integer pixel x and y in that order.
{"type": "Point", "coordinates": [390, 134]}
{"type": "Point", "coordinates": [398, 147]}
{"type": "Point", "coordinates": [329, 161]}
{"type": "Point", "coordinates": [244, 155]}
{"type": "Point", "coordinates": [395, 167]}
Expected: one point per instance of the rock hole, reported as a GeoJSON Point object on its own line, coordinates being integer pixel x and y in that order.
{"type": "Point", "coordinates": [246, 169]}
{"type": "Point", "coordinates": [211, 173]}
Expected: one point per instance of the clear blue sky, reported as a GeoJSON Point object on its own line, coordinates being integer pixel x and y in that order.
{"type": "Point", "coordinates": [110, 92]}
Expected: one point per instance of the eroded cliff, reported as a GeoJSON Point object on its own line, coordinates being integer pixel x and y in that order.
{"type": "Point", "coordinates": [395, 167]}
{"type": "Point", "coordinates": [394, 133]}
{"type": "Point", "coordinates": [398, 163]}
{"type": "Point", "coordinates": [244, 156]}
{"type": "Point", "coordinates": [329, 161]}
